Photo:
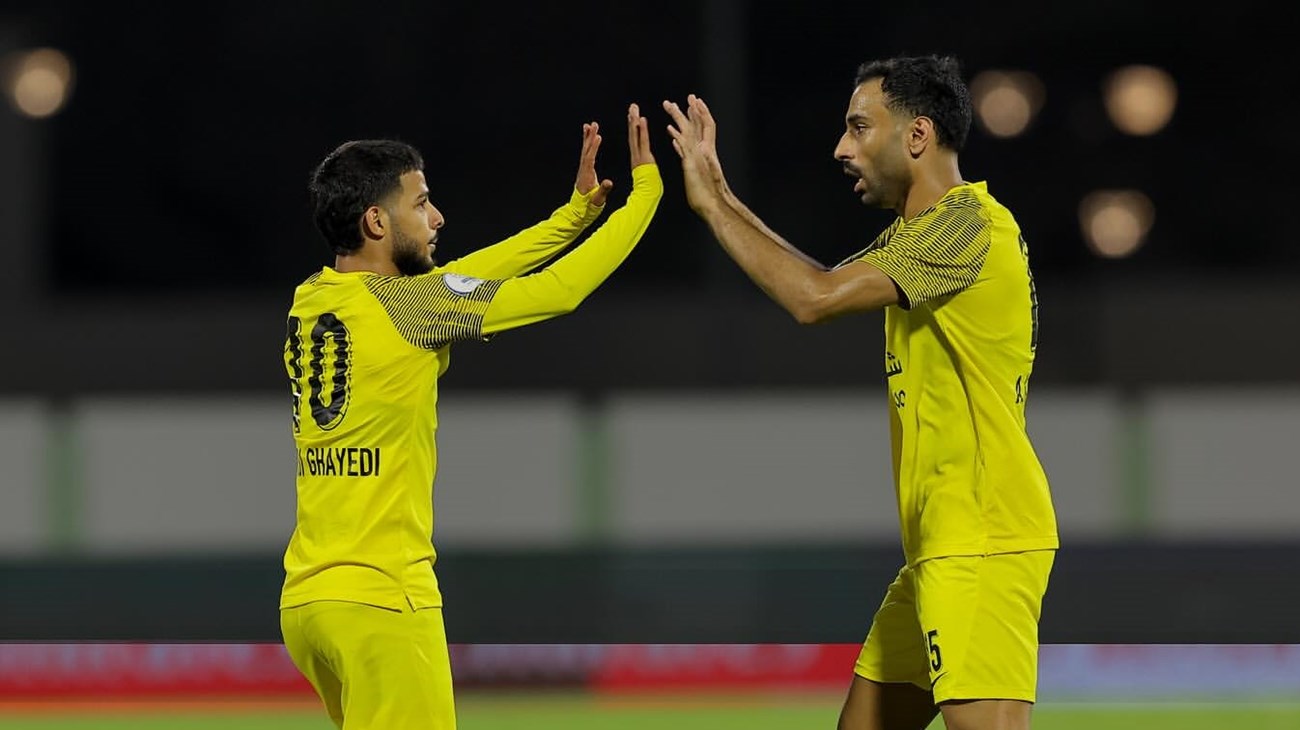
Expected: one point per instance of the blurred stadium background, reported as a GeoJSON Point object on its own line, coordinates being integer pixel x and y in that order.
{"type": "Point", "coordinates": [672, 506]}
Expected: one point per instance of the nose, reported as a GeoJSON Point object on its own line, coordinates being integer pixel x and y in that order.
{"type": "Point", "coordinates": [436, 219]}
{"type": "Point", "coordinates": [843, 151]}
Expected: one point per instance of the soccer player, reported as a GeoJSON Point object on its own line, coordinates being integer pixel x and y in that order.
{"type": "Point", "coordinates": [360, 609]}
{"type": "Point", "coordinates": [957, 632]}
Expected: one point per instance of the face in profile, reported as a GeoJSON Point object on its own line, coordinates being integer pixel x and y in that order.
{"type": "Point", "coordinates": [415, 226]}
{"type": "Point", "coordinates": [872, 148]}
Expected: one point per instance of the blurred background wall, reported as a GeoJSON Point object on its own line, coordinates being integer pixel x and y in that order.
{"type": "Point", "coordinates": [677, 460]}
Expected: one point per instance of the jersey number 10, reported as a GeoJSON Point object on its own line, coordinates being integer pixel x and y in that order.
{"type": "Point", "coordinates": [327, 328]}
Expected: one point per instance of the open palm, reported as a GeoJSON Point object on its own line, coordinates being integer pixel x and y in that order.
{"type": "Point", "coordinates": [694, 134]}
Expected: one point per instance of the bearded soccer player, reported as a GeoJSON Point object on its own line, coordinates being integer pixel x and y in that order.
{"type": "Point", "coordinates": [360, 610]}
{"type": "Point", "coordinates": [957, 631]}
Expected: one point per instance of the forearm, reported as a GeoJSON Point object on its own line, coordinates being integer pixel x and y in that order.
{"type": "Point", "coordinates": [743, 210]}
{"type": "Point", "coordinates": [532, 246]}
{"type": "Point", "coordinates": [784, 273]}
{"type": "Point", "coordinates": [562, 286]}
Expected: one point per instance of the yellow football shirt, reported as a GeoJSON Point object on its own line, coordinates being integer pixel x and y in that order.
{"type": "Point", "coordinates": [959, 350]}
{"type": "Point", "coordinates": [363, 354]}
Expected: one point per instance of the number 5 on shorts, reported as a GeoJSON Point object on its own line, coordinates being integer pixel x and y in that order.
{"type": "Point", "coordinates": [936, 660]}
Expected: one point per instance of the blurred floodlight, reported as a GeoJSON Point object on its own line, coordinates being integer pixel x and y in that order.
{"type": "Point", "coordinates": [1006, 101]}
{"type": "Point", "coordinates": [38, 82]}
{"type": "Point", "coordinates": [1140, 99]}
{"type": "Point", "coordinates": [1115, 222]}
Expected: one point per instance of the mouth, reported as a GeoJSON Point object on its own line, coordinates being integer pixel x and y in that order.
{"type": "Point", "coordinates": [859, 184]}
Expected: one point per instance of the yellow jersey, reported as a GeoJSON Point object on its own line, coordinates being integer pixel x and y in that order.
{"type": "Point", "coordinates": [363, 354]}
{"type": "Point", "coordinates": [959, 350]}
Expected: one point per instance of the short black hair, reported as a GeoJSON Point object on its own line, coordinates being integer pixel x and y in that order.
{"type": "Point", "coordinates": [925, 86]}
{"type": "Point", "coordinates": [355, 176]}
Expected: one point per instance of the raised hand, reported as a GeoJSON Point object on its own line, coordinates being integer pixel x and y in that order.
{"type": "Point", "coordinates": [587, 179]}
{"type": "Point", "coordinates": [638, 137]}
{"type": "Point", "coordinates": [695, 140]}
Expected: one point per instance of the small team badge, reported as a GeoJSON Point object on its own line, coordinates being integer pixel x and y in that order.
{"type": "Point", "coordinates": [462, 285]}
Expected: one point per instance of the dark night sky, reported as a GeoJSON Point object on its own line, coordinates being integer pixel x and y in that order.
{"type": "Point", "coordinates": [182, 158]}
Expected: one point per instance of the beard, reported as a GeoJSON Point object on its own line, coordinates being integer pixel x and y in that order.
{"type": "Point", "coordinates": [871, 195]}
{"type": "Point", "coordinates": [885, 187]}
{"type": "Point", "coordinates": [410, 256]}
{"type": "Point", "coordinates": [865, 187]}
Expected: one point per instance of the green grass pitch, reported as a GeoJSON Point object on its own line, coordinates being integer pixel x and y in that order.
{"type": "Point", "coordinates": [688, 712]}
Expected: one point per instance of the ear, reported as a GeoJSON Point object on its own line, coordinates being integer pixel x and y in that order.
{"type": "Point", "coordinates": [920, 135]}
{"type": "Point", "coordinates": [374, 223]}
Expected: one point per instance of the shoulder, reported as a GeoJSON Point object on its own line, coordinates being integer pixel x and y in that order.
{"type": "Point", "coordinates": [439, 288]}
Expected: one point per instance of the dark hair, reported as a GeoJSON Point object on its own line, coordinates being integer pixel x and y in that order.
{"type": "Point", "coordinates": [355, 176]}
{"type": "Point", "coordinates": [925, 86]}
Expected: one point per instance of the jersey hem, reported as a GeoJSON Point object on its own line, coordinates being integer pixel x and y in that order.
{"type": "Point", "coordinates": [879, 678]}
{"type": "Point", "coordinates": [1000, 548]}
{"type": "Point", "coordinates": [984, 692]}
{"type": "Point", "coordinates": [398, 602]}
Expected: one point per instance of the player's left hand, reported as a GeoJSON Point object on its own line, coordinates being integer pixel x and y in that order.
{"type": "Point", "coordinates": [587, 179]}
{"type": "Point", "coordinates": [695, 140]}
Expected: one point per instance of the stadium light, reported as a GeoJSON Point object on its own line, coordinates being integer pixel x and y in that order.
{"type": "Point", "coordinates": [1006, 102]}
{"type": "Point", "coordinates": [38, 82]}
{"type": "Point", "coordinates": [1140, 99]}
{"type": "Point", "coordinates": [1115, 222]}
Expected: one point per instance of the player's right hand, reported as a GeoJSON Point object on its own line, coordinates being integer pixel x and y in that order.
{"type": "Point", "coordinates": [638, 137]}
{"type": "Point", "coordinates": [695, 134]}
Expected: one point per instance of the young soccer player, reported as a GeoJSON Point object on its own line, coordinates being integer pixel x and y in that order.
{"type": "Point", "coordinates": [360, 609]}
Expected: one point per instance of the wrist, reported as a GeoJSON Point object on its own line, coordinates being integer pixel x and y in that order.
{"type": "Point", "coordinates": [711, 206]}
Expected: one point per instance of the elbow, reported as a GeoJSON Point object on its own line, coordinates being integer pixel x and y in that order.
{"type": "Point", "coordinates": [804, 315]}
{"type": "Point", "coordinates": [559, 295]}
{"type": "Point", "coordinates": [809, 315]}
{"type": "Point", "coordinates": [570, 301]}
{"type": "Point", "coordinates": [812, 307]}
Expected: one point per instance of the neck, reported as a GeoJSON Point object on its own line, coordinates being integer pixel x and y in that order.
{"type": "Point", "coordinates": [931, 183]}
{"type": "Point", "coordinates": [367, 259]}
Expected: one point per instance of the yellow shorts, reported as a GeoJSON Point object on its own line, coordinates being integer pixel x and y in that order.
{"type": "Point", "coordinates": [963, 627]}
{"type": "Point", "coordinates": [373, 667]}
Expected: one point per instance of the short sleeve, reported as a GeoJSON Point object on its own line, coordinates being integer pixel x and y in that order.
{"type": "Point", "coordinates": [935, 255]}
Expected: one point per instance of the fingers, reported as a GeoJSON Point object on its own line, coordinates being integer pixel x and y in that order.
{"type": "Point", "coordinates": [590, 142]}
{"type": "Point", "coordinates": [601, 194]}
{"type": "Point", "coordinates": [586, 179]}
{"type": "Point", "coordinates": [638, 136]}
{"type": "Point", "coordinates": [633, 126]}
{"type": "Point", "coordinates": [675, 113]}
{"type": "Point", "coordinates": [645, 138]}
{"type": "Point", "coordinates": [704, 108]}
{"type": "Point", "coordinates": [693, 126]}
{"type": "Point", "coordinates": [696, 111]}
{"type": "Point", "coordinates": [701, 113]}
